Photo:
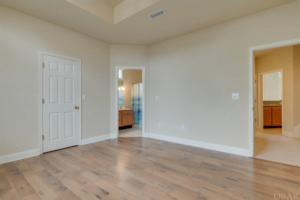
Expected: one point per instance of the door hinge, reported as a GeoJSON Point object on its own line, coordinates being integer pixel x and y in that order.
{"type": "Point", "coordinates": [43, 65]}
{"type": "Point", "coordinates": [43, 137]}
{"type": "Point", "coordinates": [43, 101]}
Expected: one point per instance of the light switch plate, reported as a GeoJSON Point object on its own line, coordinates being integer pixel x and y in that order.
{"type": "Point", "coordinates": [83, 97]}
{"type": "Point", "coordinates": [156, 98]}
{"type": "Point", "coordinates": [235, 96]}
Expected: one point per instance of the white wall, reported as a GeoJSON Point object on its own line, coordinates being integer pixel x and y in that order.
{"type": "Point", "coordinates": [195, 74]}
{"type": "Point", "coordinates": [21, 39]}
{"type": "Point", "coordinates": [125, 55]}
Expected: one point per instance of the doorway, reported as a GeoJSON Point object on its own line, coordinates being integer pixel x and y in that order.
{"type": "Point", "coordinates": [61, 102]}
{"type": "Point", "coordinates": [130, 101]}
{"type": "Point", "coordinates": [275, 93]}
{"type": "Point", "coordinates": [269, 98]}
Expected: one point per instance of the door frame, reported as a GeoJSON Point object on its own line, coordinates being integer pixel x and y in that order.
{"type": "Point", "coordinates": [251, 84]}
{"type": "Point", "coordinates": [40, 95]}
{"type": "Point", "coordinates": [116, 104]}
{"type": "Point", "coordinates": [260, 99]}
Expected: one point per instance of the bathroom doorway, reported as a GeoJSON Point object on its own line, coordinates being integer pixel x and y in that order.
{"type": "Point", "coordinates": [130, 101]}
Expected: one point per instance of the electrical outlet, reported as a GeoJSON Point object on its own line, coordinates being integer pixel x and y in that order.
{"type": "Point", "coordinates": [182, 127]}
{"type": "Point", "coordinates": [159, 124]}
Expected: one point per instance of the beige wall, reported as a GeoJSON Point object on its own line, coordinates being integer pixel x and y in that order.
{"type": "Point", "coordinates": [297, 90]}
{"type": "Point", "coordinates": [195, 74]}
{"type": "Point", "coordinates": [125, 55]}
{"type": "Point", "coordinates": [21, 39]}
{"type": "Point", "coordinates": [281, 58]}
{"type": "Point", "coordinates": [130, 77]}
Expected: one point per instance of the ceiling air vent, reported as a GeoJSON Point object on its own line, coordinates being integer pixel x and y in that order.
{"type": "Point", "coordinates": [156, 14]}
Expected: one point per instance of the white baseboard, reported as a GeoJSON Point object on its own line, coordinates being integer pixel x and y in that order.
{"type": "Point", "coordinates": [288, 134]}
{"type": "Point", "coordinates": [296, 135]}
{"type": "Point", "coordinates": [95, 139]}
{"type": "Point", "coordinates": [297, 132]}
{"type": "Point", "coordinates": [215, 147]}
{"type": "Point", "coordinates": [113, 135]}
{"type": "Point", "coordinates": [19, 156]}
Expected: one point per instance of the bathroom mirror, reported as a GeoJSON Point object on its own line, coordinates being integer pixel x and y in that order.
{"type": "Point", "coordinates": [272, 86]}
{"type": "Point", "coordinates": [121, 92]}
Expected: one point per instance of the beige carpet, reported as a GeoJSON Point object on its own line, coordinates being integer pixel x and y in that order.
{"type": "Point", "coordinates": [131, 132]}
{"type": "Point", "coordinates": [271, 145]}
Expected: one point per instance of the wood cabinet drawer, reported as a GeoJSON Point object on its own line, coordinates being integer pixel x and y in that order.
{"type": "Point", "coordinates": [127, 112]}
{"type": "Point", "coordinates": [267, 108]}
{"type": "Point", "coordinates": [276, 108]}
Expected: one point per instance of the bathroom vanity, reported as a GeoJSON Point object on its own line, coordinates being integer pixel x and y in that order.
{"type": "Point", "coordinates": [272, 116]}
{"type": "Point", "coordinates": [125, 117]}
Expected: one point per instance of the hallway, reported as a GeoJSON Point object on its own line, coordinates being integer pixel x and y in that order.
{"type": "Point", "coordinates": [271, 145]}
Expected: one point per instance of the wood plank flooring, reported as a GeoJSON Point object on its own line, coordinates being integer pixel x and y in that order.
{"type": "Point", "coordinates": [139, 168]}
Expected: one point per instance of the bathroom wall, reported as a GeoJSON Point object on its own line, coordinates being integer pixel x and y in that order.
{"type": "Point", "coordinates": [130, 77]}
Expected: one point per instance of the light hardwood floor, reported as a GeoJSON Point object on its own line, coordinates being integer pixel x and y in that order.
{"type": "Point", "coordinates": [139, 168]}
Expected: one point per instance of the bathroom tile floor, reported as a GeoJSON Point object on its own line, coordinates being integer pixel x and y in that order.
{"type": "Point", "coordinates": [131, 132]}
{"type": "Point", "coordinates": [271, 145]}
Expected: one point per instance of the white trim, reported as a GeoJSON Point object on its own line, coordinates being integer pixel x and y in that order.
{"type": "Point", "coordinates": [40, 105]}
{"type": "Point", "coordinates": [95, 139]}
{"type": "Point", "coordinates": [19, 156]}
{"type": "Point", "coordinates": [113, 136]}
{"type": "Point", "coordinates": [297, 132]}
{"type": "Point", "coordinates": [251, 83]}
{"type": "Point", "coordinates": [116, 121]}
{"type": "Point", "coordinates": [288, 134]}
{"type": "Point", "coordinates": [204, 145]}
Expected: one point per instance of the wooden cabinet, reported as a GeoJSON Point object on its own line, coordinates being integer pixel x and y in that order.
{"type": "Point", "coordinates": [125, 118]}
{"type": "Point", "coordinates": [272, 116]}
{"type": "Point", "coordinates": [267, 116]}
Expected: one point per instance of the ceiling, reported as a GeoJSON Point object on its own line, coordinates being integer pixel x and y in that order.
{"type": "Point", "coordinates": [113, 3]}
{"type": "Point", "coordinates": [183, 16]}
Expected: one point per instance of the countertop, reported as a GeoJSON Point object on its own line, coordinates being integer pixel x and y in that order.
{"type": "Point", "coordinates": [125, 109]}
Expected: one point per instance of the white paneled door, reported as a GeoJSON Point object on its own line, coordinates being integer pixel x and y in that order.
{"type": "Point", "coordinates": [60, 103]}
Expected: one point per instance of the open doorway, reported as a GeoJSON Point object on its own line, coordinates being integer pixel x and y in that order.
{"type": "Point", "coordinates": [130, 100]}
{"type": "Point", "coordinates": [276, 93]}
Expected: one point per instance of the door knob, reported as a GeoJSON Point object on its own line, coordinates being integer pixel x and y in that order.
{"type": "Point", "coordinates": [76, 107]}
